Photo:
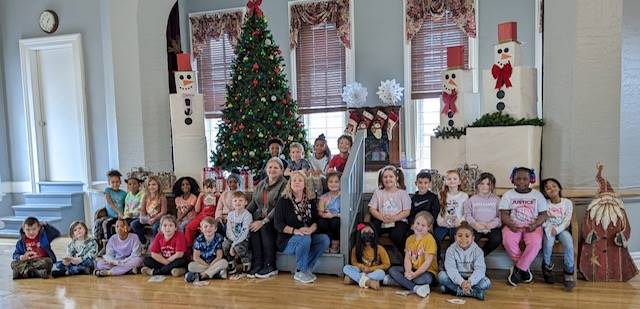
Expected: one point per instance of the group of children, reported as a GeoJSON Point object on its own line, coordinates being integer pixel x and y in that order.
{"type": "Point", "coordinates": [522, 214]}
{"type": "Point", "coordinates": [209, 237]}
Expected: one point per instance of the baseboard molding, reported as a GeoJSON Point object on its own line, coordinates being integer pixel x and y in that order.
{"type": "Point", "coordinates": [636, 258]}
{"type": "Point", "coordinates": [15, 187]}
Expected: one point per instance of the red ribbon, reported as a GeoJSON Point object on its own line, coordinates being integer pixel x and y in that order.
{"type": "Point", "coordinates": [254, 8]}
{"type": "Point", "coordinates": [449, 102]}
{"type": "Point", "coordinates": [502, 75]}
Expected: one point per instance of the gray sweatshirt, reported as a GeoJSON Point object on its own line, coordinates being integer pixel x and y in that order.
{"type": "Point", "coordinates": [462, 264]}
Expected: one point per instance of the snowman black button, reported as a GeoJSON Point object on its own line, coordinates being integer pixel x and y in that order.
{"type": "Point", "coordinates": [450, 122]}
{"type": "Point", "coordinates": [500, 94]}
{"type": "Point", "coordinates": [450, 114]}
{"type": "Point", "coordinates": [500, 106]}
{"type": "Point", "coordinates": [188, 121]}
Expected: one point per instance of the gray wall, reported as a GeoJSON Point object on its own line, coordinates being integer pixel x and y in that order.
{"type": "Point", "coordinates": [19, 20]}
{"type": "Point", "coordinates": [630, 95]}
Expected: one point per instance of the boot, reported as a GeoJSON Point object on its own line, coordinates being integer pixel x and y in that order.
{"type": "Point", "coordinates": [569, 282]}
{"type": "Point", "coordinates": [547, 273]}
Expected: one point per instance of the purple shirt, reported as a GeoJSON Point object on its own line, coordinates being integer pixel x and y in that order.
{"type": "Point", "coordinates": [122, 250]}
{"type": "Point", "coordinates": [483, 210]}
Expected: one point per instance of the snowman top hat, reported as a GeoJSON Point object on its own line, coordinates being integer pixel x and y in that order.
{"type": "Point", "coordinates": [508, 32]}
{"type": "Point", "coordinates": [455, 57]}
{"type": "Point", "coordinates": [184, 62]}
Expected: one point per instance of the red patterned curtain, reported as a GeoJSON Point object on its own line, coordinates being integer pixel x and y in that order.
{"type": "Point", "coordinates": [315, 13]}
{"type": "Point", "coordinates": [211, 26]}
{"type": "Point", "coordinates": [462, 11]}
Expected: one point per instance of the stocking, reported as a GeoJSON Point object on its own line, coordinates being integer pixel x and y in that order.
{"type": "Point", "coordinates": [378, 124]}
{"type": "Point", "coordinates": [352, 124]}
{"type": "Point", "coordinates": [366, 120]}
{"type": "Point", "coordinates": [391, 123]}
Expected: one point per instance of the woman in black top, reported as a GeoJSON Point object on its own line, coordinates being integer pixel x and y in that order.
{"type": "Point", "coordinates": [296, 218]}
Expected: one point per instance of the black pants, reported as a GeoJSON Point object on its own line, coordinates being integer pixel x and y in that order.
{"type": "Point", "coordinates": [160, 269]}
{"type": "Point", "coordinates": [494, 239]}
{"type": "Point", "coordinates": [398, 233]}
{"type": "Point", "coordinates": [263, 245]}
{"type": "Point", "coordinates": [330, 227]}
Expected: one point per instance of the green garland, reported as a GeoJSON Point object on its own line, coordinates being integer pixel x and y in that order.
{"type": "Point", "coordinates": [449, 132]}
{"type": "Point", "coordinates": [498, 119]}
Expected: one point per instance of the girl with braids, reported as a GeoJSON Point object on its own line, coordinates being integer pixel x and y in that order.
{"type": "Point", "coordinates": [390, 206]}
{"type": "Point", "coordinates": [369, 260]}
{"type": "Point", "coordinates": [522, 210]}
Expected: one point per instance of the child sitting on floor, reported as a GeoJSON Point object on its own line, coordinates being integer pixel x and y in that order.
{"type": "Point", "coordinates": [208, 258]}
{"type": "Point", "coordinates": [167, 250]}
{"type": "Point", "coordinates": [33, 257]}
{"type": "Point", "coordinates": [81, 253]}
{"type": "Point", "coordinates": [369, 260]}
{"type": "Point", "coordinates": [123, 253]}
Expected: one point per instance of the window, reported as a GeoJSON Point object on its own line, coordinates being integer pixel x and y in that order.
{"type": "Point", "coordinates": [330, 124]}
{"type": "Point", "coordinates": [211, 126]}
{"type": "Point", "coordinates": [320, 69]}
{"type": "Point", "coordinates": [429, 55]}
{"type": "Point", "coordinates": [428, 60]}
{"type": "Point", "coordinates": [214, 72]}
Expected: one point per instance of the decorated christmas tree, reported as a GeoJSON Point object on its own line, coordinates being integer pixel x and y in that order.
{"type": "Point", "coordinates": [259, 105]}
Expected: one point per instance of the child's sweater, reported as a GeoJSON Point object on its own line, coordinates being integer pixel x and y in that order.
{"type": "Point", "coordinates": [452, 216]}
{"type": "Point", "coordinates": [83, 248]}
{"type": "Point", "coordinates": [428, 202]}
{"type": "Point", "coordinates": [121, 251]}
{"type": "Point", "coordinates": [462, 264]}
{"type": "Point", "coordinates": [483, 210]}
{"type": "Point", "coordinates": [46, 235]}
{"type": "Point", "coordinates": [132, 203]}
{"type": "Point", "coordinates": [238, 226]}
{"type": "Point", "coordinates": [558, 216]}
{"type": "Point", "coordinates": [367, 259]}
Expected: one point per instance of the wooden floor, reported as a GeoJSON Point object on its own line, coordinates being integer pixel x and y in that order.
{"type": "Point", "coordinates": [281, 292]}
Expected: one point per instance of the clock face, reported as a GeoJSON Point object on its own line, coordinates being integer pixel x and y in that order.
{"type": "Point", "coordinates": [49, 21]}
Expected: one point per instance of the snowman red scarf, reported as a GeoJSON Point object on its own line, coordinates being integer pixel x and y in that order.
{"type": "Point", "coordinates": [502, 75]}
{"type": "Point", "coordinates": [449, 102]}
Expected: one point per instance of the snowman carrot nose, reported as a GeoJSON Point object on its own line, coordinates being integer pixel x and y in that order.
{"type": "Point", "coordinates": [452, 82]}
{"type": "Point", "coordinates": [187, 82]}
{"type": "Point", "coordinates": [505, 56]}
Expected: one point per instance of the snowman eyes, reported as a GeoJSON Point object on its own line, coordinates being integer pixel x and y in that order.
{"type": "Point", "coordinates": [453, 76]}
{"type": "Point", "coordinates": [506, 50]}
{"type": "Point", "coordinates": [446, 76]}
{"type": "Point", "coordinates": [182, 77]}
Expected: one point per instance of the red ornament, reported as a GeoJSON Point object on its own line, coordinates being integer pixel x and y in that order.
{"type": "Point", "coordinates": [277, 70]}
{"type": "Point", "coordinates": [255, 67]}
{"type": "Point", "coordinates": [254, 83]}
{"type": "Point", "coordinates": [241, 126]}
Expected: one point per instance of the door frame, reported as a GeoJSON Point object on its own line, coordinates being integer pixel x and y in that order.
{"type": "Point", "coordinates": [32, 102]}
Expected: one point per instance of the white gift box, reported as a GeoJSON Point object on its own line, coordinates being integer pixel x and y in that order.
{"type": "Point", "coordinates": [447, 154]}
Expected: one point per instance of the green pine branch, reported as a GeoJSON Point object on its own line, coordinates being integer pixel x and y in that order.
{"type": "Point", "coordinates": [498, 119]}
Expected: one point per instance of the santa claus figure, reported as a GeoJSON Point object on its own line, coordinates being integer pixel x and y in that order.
{"type": "Point", "coordinates": [606, 231]}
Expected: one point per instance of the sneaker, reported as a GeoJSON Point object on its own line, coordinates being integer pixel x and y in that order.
{"type": "Point", "coordinates": [58, 273]}
{"type": "Point", "coordinates": [479, 294]}
{"type": "Point", "coordinates": [191, 277]}
{"type": "Point", "coordinates": [569, 282]}
{"type": "Point", "coordinates": [443, 289]}
{"type": "Point", "coordinates": [547, 273]}
{"type": "Point", "coordinates": [267, 271]}
{"type": "Point", "coordinates": [223, 274]}
{"type": "Point", "coordinates": [312, 276]}
{"type": "Point", "coordinates": [347, 280]}
{"type": "Point", "coordinates": [255, 268]}
{"type": "Point", "coordinates": [246, 267]}
{"type": "Point", "coordinates": [514, 276]}
{"type": "Point", "coordinates": [422, 290]}
{"type": "Point", "coordinates": [374, 284]}
{"type": "Point", "coordinates": [302, 277]}
{"type": "Point", "coordinates": [232, 268]}
{"type": "Point", "coordinates": [101, 273]}
{"type": "Point", "coordinates": [178, 272]}
{"type": "Point", "coordinates": [135, 270]}
{"type": "Point", "coordinates": [87, 271]}
{"type": "Point", "coordinates": [147, 271]}
{"type": "Point", "coordinates": [527, 276]}
{"type": "Point", "coordinates": [388, 281]}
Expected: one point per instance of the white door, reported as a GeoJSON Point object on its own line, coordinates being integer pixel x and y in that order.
{"type": "Point", "coordinates": [59, 126]}
{"type": "Point", "coordinates": [53, 88]}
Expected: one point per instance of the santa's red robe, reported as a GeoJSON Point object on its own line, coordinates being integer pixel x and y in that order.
{"type": "Point", "coordinates": [602, 259]}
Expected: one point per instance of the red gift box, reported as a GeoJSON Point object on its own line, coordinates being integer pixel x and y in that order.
{"type": "Point", "coordinates": [455, 57]}
{"type": "Point", "coordinates": [508, 32]}
{"type": "Point", "coordinates": [184, 62]}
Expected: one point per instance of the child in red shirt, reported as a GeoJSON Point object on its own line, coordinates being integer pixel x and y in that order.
{"type": "Point", "coordinates": [167, 250]}
{"type": "Point", "coordinates": [205, 207]}
{"type": "Point", "coordinates": [33, 257]}
{"type": "Point", "coordinates": [339, 161]}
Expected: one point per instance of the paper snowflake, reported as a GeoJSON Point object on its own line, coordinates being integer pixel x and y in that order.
{"type": "Point", "coordinates": [389, 92]}
{"type": "Point", "coordinates": [354, 94]}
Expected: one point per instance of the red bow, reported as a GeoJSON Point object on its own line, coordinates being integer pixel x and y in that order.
{"type": "Point", "coordinates": [502, 75]}
{"type": "Point", "coordinates": [449, 102]}
{"type": "Point", "coordinates": [254, 7]}
{"type": "Point", "coordinates": [360, 227]}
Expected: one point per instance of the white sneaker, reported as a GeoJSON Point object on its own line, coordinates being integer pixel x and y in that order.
{"type": "Point", "coordinates": [223, 274]}
{"type": "Point", "coordinates": [422, 290]}
{"type": "Point", "coordinates": [388, 281]}
{"type": "Point", "coordinates": [302, 277]}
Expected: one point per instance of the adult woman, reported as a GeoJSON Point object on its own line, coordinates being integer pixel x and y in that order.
{"type": "Point", "coordinates": [296, 218]}
{"type": "Point", "coordinates": [263, 234]}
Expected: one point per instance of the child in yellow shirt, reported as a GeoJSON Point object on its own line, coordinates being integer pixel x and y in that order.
{"type": "Point", "coordinates": [369, 260]}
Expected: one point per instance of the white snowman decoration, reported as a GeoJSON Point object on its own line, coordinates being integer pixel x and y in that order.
{"type": "Point", "coordinates": [187, 123]}
{"type": "Point", "coordinates": [457, 83]}
{"type": "Point", "coordinates": [508, 86]}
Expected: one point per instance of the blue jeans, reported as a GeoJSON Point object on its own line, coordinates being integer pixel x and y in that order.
{"type": "Point", "coordinates": [355, 274]}
{"type": "Point", "coordinates": [85, 267]}
{"type": "Point", "coordinates": [138, 228]}
{"type": "Point", "coordinates": [397, 274]}
{"type": "Point", "coordinates": [482, 285]}
{"type": "Point", "coordinates": [567, 249]}
{"type": "Point", "coordinates": [307, 249]}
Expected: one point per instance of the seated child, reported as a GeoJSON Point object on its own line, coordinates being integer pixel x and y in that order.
{"type": "Point", "coordinates": [236, 245]}
{"type": "Point", "coordinates": [224, 202]}
{"type": "Point", "coordinates": [186, 192]}
{"type": "Point", "coordinates": [557, 226]}
{"type": "Point", "coordinates": [208, 258]}
{"type": "Point", "coordinates": [523, 210]}
{"type": "Point", "coordinates": [420, 265]}
{"type": "Point", "coordinates": [483, 213]}
{"type": "Point", "coordinates": [318, 161]}
{"type": "Point", "coordinates": [167, 250]}
{"type": "Point", "coordinates": [205, 207]}
{"type": "Point", "coordinates": [464, 273]}
{"type": "Point", "coordinates": [329, 211]}
{"type": "Point", "coordinates": [451, 206]}
{"type": "Point", "coordinates": [114, 198]}
{"type": "Point", "coordinates": [424, 199]}
{"type": "Point", "coordinates": [81, 253]}
{"type": "Point", "coordinates": [275, 146]}
{"type": "Point", "coordinates": [297, 161]}
{"type": "Point", "coordinates": [133, 200]}
{"type": "Point", "coordinates": [33, 257]}
{"type": "Point", "coordinates": [123, 253]}
{"type": "Point", "coordinates": [153, 208]}
{"type": "Point", "coordinates": [339, 161]}
{"type": "Point", "coordinates": [369, 260]}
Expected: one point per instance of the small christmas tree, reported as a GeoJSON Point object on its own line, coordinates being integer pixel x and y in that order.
{"type": "Point", "coordinates": [259, 105]}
